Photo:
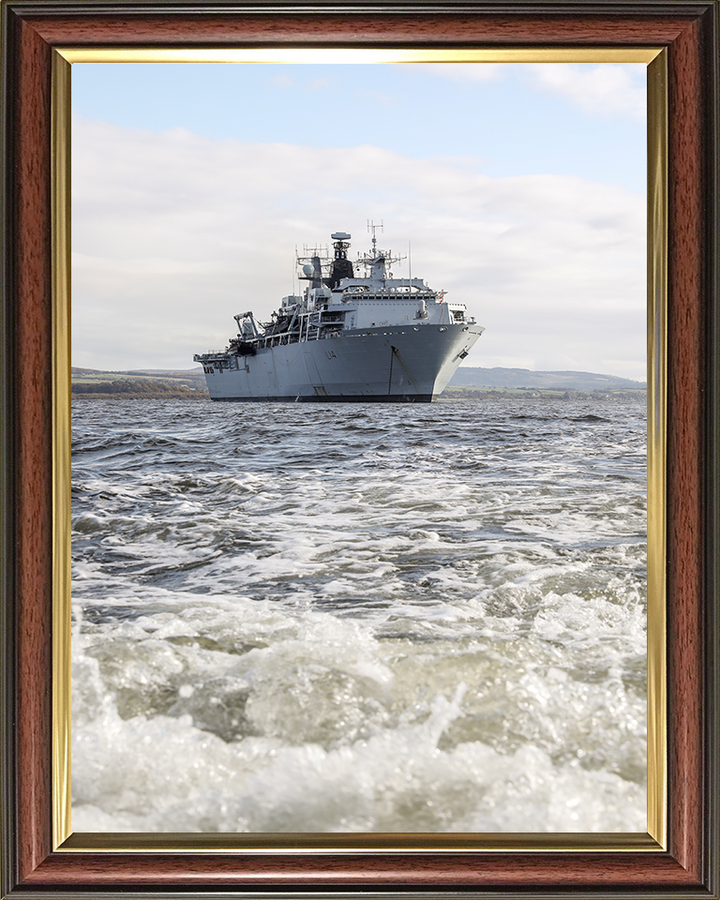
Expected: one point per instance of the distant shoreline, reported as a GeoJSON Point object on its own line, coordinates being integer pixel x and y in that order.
{"type": "Point", "coordinates": [96, 384]}
{"type": "Point", "coordinates": [621, 395]}
{"type": "Point", "coordinates": [523, 379]}
{"type": "Point", "coordinates": [92, 384]}
{"type": "Point", "coordinates": [451, 394]}
{"type": "Point", "coordinates": [145, 396]}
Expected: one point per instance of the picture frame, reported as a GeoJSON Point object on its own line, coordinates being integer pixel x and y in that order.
{"type": "Point", "coordinates": [40, 857]}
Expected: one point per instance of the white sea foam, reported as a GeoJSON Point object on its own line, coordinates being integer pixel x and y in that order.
{"type": "Point", "coordinates": [352, 619]}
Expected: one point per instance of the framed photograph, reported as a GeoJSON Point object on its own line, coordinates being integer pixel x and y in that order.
{"type": "Point", "coordinates": [341, 851]}
{"type": "Point", "coordinates": [479, 606]}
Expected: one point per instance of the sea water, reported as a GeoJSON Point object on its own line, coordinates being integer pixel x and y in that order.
{"type": "Point", "coordinates": [359, 618]}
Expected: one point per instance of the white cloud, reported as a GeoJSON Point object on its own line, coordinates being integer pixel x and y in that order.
{"type": "Point", "coordinates": [604, 89]}
{"type": "Point", "coordinates": [465, 72]}
{"type": "Point", "coordinates": [370, 99]}
{"type": "Point", "coordinates": [173, 234]}
{"type": "Point", "coordinates": [282, 81]}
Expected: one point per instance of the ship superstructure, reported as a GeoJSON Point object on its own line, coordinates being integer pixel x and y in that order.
{"type": "Point", "coordinates": [348, 337]}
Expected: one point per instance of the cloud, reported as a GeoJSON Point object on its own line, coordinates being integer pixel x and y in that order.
{"type": "Point", "coordinates": [174, 233]}
{"type": "Point", "coordinates": [465, 72]}
{"type": "Point", "coordinates": [372, 99]}
{"type": "Point", "coordinates": [282, 81]}
{"type": "Point", "coordinates": [605, 89]}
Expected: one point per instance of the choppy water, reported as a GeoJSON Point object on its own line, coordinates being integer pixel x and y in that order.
{"type": "Point", "coordinates": [359, 618]}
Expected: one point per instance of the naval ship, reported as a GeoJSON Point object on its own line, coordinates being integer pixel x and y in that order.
{"type": "Point", "coordinates": [349, 337]}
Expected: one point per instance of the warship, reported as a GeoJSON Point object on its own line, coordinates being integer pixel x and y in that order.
{"type": "Point", "coordinates": [348, 337]}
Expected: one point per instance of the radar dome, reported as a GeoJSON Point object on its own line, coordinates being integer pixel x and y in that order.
{"type": "Point", "coordinates": [308, 270]}
{"type": "Point", "coordinates": [340, 236]}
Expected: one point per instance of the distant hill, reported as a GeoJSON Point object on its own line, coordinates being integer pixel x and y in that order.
{"type": "Point", "coordinates": [470, 376]}
{"type": "Point", "coordinates": [196, 371]}
{"type": "Point", "coordinates": [186, 383]}
{"type": "Point", "coordinates": [145, 384]}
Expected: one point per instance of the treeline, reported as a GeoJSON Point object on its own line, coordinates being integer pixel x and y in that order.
{"type": "Point", "coordinates": [136, 389]}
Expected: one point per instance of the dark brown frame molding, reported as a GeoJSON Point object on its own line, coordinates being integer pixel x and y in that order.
{"type": "Point", "coordinates": [688, 29]}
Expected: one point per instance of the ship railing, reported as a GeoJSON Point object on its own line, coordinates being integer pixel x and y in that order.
{"type": "Point", "coordinates": [392, 294]}
{"type": "Point", "coordinates": [276, 340]}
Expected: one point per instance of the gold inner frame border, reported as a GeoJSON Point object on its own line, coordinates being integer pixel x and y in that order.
{"type": "Point", "coordinates": [655, 840]}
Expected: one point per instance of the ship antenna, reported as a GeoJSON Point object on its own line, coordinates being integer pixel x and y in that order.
{"type": "Point", "coordinates": [371, 226]}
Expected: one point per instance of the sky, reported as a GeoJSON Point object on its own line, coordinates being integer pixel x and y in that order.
{"type": "Point", "coordinates": [520, 189]}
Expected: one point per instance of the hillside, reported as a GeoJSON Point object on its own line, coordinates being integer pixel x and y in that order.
{"type": "Point", "coordinates": [469, 376]}
{"type": "Point", "coordinates": [157, 384]}
{"type": "Point", "coordinates": [467, 383]}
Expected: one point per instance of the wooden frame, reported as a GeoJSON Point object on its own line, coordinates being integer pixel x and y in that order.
{"type": "Point", "coordinates": [689, 31]}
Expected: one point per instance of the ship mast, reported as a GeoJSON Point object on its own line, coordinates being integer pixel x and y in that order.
{"type": "Point", "coordinates": [371, 227]}
{"type": "Point", "coordinates": [377, 260]}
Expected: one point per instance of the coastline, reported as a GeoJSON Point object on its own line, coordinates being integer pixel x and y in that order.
{"type": "Point", "coordinates": [94, 384]}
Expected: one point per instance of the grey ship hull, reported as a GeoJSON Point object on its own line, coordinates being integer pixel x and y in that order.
{"type": "Point", "coordinates": [390, 364]}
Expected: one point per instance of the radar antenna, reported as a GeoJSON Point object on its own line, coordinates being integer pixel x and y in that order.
{"type": "Point", "coordinates": [372, 227]}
